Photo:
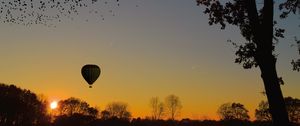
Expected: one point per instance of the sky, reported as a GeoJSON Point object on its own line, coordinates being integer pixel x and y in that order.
{"type": "Point", "coordinates": [144, 49]}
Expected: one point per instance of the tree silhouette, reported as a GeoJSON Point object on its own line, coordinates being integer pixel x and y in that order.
{"type": "Point", "coordinates": [157, 108]}
{"type": "Point", "coordinates": [173, 106]}
{"type": "Point", "coordinates": [105, 115]}
{"type": "Point", "coordinates": [74, 111]}
{"type": "Point", "coordinates": [262, 113]}
{"type": "Point", "coordinates": [20, 107]}
{"type": "Point", "coordinates": [257, 26]}
{"type": "Point", "coordinates": [233, 111]}
{"type": "Point", "coordinates": [293, 109]}
{"type": "Point", "coordinates": [118, 110]}
{"type": "Point", "coordinates": [73, 106]}
{"type": "Point", "coordinates": [292, 106]}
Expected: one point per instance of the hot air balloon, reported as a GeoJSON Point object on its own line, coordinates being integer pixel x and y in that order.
{"type": "Point", "coordinates": [90, 73]}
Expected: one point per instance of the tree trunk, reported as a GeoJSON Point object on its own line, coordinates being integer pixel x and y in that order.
{"type": "Point", "coordinates": [267, 64]}
{"type": "Point", "coordinates": [273, 91]}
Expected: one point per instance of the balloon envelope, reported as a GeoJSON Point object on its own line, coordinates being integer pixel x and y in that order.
{"type": "Point", "coordinates": [90, 73]}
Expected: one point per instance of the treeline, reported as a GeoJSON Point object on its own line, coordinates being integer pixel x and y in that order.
{"type": "Point", "coordinates": [21, 107]}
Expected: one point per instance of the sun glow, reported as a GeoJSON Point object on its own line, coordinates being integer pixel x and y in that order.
{"type": "Point", "coordinates": [53, 105]}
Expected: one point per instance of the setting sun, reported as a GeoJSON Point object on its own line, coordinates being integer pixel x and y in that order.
{"type": "Point", "coordinates": [53, 105]}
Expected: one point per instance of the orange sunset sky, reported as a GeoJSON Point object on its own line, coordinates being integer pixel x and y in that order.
{"type": "Point", "coordinates": [145, 49]}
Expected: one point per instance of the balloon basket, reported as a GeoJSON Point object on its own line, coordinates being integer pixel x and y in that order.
{"type": "Point", "coordinates": [90, 86]}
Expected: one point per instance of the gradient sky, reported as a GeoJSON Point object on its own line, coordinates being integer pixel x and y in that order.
{"type": "Point", "coordinates": [149, 48]}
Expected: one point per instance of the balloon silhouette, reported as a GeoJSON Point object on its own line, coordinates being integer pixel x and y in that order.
{"type": "Point", "coordinates": [90, 73]}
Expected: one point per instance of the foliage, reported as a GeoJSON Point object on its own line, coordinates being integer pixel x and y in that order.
{"type": "Point", "coordinates": [236, 13]}
{"type": "Point", "coordinates": [73, 106]}
{"type": "Point", "coordinates": [117, 110]}
{"type": "Point", "coordinates": [73, 111]}
{"type": "Point", "coordinates": [292, 106]}
{"type": "Point", "coordinates": [105, 115]}
{"type": "Point", "coordinates": [296, 63]}
{"type": "Point", "coordinates": [233, 111]}
{"type": "Point", "coordinates": [21, 107]}
{"type": "Point", "coordinates": [287, 8]}
{"type": "Point", "coordinates": [262, 113]}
